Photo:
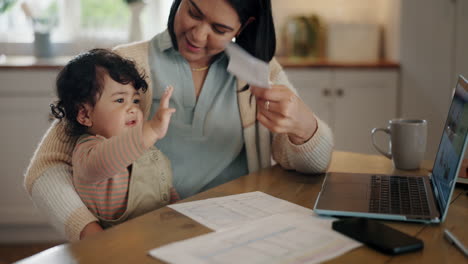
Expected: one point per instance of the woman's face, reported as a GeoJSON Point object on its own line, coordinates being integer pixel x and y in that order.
{"type": "Point", "coordinates": [203, 28]}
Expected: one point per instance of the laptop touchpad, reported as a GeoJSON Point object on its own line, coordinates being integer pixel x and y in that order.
{"type": "Point", "coordinates": [347, 190]}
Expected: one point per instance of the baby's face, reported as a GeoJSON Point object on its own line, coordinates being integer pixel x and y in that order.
{"type": "Point", "coordinates": [117, 110]}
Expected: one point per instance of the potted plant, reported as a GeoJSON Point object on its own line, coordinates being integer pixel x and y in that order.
{"type": "Point", "coordinates": [43, 20]}
{"type": "Point", "coordinates": [5, 5]}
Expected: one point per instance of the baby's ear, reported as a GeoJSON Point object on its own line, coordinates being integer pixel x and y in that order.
{"type": "Point", "coordinates": [84, 116]}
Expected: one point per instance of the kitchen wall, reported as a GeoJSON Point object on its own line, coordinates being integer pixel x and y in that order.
{"type": "Point", "coordinates": [383, 12]}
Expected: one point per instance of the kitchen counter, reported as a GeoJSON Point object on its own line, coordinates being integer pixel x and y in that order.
{"type": "Point", "coordinates": [323, 63]}
{"type": "Point", "coordinates": [31, 62]}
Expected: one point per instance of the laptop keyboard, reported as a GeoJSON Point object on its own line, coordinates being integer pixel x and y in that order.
{"type": "Point", "coordinates": [398, 195]}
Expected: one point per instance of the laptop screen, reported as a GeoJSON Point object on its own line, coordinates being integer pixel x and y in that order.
{"type": "Point", "coordinates": [452, 145]}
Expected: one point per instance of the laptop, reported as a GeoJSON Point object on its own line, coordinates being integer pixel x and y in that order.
{"type": "Point", "coordinates": [423, 198]}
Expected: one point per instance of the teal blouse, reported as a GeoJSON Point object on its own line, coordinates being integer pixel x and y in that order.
{"type": "Point", "coordinates": [204, 141]}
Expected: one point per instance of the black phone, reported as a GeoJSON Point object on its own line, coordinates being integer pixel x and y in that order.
{"type": "Point", "coordinates": [377, 235]}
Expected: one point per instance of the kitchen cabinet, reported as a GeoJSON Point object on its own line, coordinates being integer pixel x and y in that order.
{"type": "Point", "coordinates": [351, 101]}
{"type": "Point", "coordinates": [25, 96]}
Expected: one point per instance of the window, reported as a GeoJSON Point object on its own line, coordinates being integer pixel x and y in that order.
{"type": "Point", "coordinates": [14, 26]}
{"type": "Point", "coordinates": [99, 19]}
{"type": "Point", "coordinates": [82, 23]}
{"type": "Point", "coordinates": [104, 15]}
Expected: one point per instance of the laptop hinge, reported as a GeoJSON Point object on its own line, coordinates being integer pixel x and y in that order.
{"type": "Point", "coordinates": [434, 189]}
{"type": "Point", "coordinates": [436, 193]}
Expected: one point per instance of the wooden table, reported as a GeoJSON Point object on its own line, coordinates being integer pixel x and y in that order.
{"type": "Point", "coordinates": [130, 242]}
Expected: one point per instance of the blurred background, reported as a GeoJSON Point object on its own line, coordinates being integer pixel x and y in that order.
{"type": "Point", "coordinates": [305, 28]}
{"type": "Point", "coordinates": [356, 63]}
{"type": "Point", "coordinates": [78, 25]}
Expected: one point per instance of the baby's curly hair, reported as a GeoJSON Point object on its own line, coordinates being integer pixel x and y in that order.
{"type": "Point", "coordinates": [81, 82]}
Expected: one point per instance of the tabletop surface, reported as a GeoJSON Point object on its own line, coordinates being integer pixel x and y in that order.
{"type": "Point", "coordinates": [131, 241]}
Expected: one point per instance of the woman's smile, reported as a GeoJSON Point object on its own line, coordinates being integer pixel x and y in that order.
{"type": "Point", "coordinates": [191, 47]}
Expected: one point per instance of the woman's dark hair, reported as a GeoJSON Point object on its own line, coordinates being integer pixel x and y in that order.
{"type": "Point", "coordinates": [258, 37]}
{"type": "Point", "coordinates": [81, 82]}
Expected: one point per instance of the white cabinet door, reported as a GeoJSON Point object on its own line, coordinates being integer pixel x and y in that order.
{"type": "Point", "coordinates": [314, 88]}
{"type": "Point", "coordinates": [352, 102]}
{"type": "Point", "coordinates": [25, 120]}
{"type": "Point", "coordinates": [25, 96]}
{"type": "Point", "coordinates": [364, 99]}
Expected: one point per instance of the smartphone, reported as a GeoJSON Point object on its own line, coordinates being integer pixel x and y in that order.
{"type": "Point", "coordinates": [377, 235]}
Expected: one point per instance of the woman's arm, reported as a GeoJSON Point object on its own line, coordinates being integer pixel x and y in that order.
{"type": "Point", "coordinates": [312, 156]}
{"type": "Point", "coordinates": [301, 141]}
{"type": "Point", "coordinates": [90, 229]}
{"type": "Point", "coordinates": [48, 180]}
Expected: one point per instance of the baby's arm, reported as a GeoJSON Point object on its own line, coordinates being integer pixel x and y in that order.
{"type": "Point", "coordinates": [156, 128]}
{"type": "Point", "coordinates": [97, 158]}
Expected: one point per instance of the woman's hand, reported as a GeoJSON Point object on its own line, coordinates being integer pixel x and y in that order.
{"type": "Point", "coordinates": [90, 229]}
{"type": "Point", "coordinates": [283, 112]}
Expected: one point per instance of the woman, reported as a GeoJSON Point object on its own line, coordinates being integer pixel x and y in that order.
{"type": "Point", "coordinates": [222, 128]}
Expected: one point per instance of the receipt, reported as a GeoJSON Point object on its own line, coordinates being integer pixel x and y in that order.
{"type": "Point", "coordinates": [246, 67]}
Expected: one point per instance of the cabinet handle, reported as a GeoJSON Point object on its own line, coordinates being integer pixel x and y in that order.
{"type": "Point", "coordinates": [339, 92]}
{"type": "Point", "coordinates": [326, 92]}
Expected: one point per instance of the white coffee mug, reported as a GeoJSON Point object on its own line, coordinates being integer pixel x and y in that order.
{"type": "Point", "coordinates": [407, 143]}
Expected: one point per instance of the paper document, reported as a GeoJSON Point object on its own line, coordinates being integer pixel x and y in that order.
{"type": "Point", "coordinates": [224, 212]}
{"type": "Point", "coordinates": [246, 67]}
{"type": "Point", "coordinates": [285, 238]}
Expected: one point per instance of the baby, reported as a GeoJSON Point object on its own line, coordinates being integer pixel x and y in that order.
{"type": "Point", "coordinates": [116, 170]}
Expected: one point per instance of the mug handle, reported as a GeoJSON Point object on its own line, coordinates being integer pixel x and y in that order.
{"type": "Point", "coordinates": [387, 131]}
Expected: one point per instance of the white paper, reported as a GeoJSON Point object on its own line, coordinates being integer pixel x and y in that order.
{"type": "Point", "coordinates": [285, 238]}
{"type": "Point", "coordinates": [224, 212]}
{"type": "Point", "coordinates": [246, 67]}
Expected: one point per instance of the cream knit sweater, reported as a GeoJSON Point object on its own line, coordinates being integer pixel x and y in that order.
{"type": "Point", "coordinates": [48, 178]}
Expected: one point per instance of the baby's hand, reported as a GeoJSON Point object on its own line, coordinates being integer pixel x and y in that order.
{"type": "Point", "coordinates": [160, 121]}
